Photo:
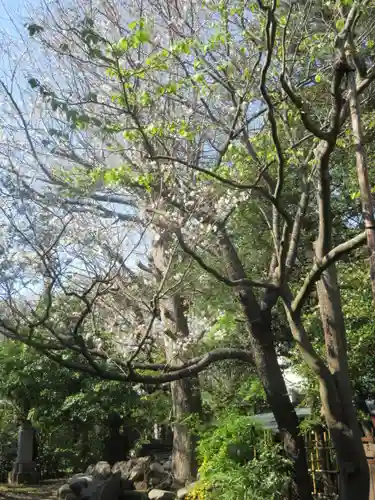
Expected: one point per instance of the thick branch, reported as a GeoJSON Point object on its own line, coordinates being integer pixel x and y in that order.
{"type": "Point", "coordinates": [318, 268]}
{"type": "Point", "coordinates": [194, 367]}
{"type": "Point", "coordinates": [216, 274]}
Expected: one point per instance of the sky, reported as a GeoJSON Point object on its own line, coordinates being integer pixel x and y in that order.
{"type": "Point", "coordinates": [12, 10]}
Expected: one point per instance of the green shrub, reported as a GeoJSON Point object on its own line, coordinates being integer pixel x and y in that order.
{"type": "Point", "coordinates": [241, 461]}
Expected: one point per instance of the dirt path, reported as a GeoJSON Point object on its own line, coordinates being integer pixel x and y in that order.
{"type": "Point", "coordinates": [45, 491]}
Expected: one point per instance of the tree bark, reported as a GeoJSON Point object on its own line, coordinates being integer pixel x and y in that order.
{"type": "Point", "coordinates": [362, 174]}
{"type": "Point", "coordinates": [186, 403]}
{"type": "Point", "coordinates": [335, 388]}
{"type": "Point", "coordinates": [269, 372]}
{"type": "Point", "coordinates": [343, 424]}
{"type": "Point", "coordinates": [185, 393]}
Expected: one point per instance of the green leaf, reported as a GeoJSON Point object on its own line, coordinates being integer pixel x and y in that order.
{"type": "Point", "coordinates": [318, 78]}
{"type": "Point", "coordinates": [198, 77]}
{"type": "Point", "coordinates": [141, 36]}
{"type": "Point", "coordinates": [133, 25]}
{"type": "Point", "coordinates": [34, 29]}
{"type": "Point", "coordinates": [340, 24]}
{"type": "Point", "coordinates": [172, 88]}
{"type": "Point", "coordinates": [123, 44]}
{"type": "Point", "coordinates": [355, 195]}
{"type": "Point", "coordinates": [145, 98]}
{"type": "Point", "coordinates": [33, 82]}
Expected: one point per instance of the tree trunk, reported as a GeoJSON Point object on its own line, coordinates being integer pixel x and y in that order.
{"type": "Point", "coordinates": [362, 173]}
{"type": "Point", "coordinates": [343, 427]}
{"type": "Point", "coordinates": [269, 372]}
{"type": "Point", "coordinates": [335, 389]}
{"type": "Point", "coordinates": [186, 404]}
{"type": "Point", "coordinates": [185, 393]}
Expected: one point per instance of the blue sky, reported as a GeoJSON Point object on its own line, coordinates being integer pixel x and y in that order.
{"type": "Point", "coordinates": [11, 9]}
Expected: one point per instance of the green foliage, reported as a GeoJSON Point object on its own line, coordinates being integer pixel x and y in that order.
{"type": "Point", "coordinates": [34, 29]}
{"type": "Point", "coordinates": [69, 409]}
{"type": "Point", "coordinates": [240, 460]}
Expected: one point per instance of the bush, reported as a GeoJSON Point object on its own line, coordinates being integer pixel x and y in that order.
{"type": "Point", "coordinates": [240, 460]}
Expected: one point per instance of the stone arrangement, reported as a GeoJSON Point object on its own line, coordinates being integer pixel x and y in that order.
{"type": "Point", "coordinates": [142, 478]}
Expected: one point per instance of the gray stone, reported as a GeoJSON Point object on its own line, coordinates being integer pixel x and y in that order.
{"type": "Point", "coordinates": [90, 469]}
{"type": "Point", "coordinates": [161, 495]}
{"type": "Point", "coordinates": [134, 495]}
{"type": "Point", "coordinates": [82, 485]}
{"type": "Point", "coordinates": [110, 489]}
{"type": "Point", "coordinates": [123, 467]}
{"type": "Point", "coordinates": [182, 493]}
{"type": "Point", "coordinates": [138, 472]}
{"type": "Point", "coordinates": [168, 465]}
{"type": "Point", "coordinates": [65, 493]}
{"type": "Point", "coordinates": [102, 470]}
{"type": "Point", "coordinates": [155, 482]}
{"type": "Point", "coordinates": [141, 485]}
{"type": "Point", "coordinates": [127, 485]}
{"type": "Point", "coordinates": [157, 469]}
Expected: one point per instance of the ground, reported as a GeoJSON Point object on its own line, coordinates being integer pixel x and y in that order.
{"type": "Point", "coordinates": [45, 491]}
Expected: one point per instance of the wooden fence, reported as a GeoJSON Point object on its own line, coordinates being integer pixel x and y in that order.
{"type": "Point", "coordinates": [323, 465]}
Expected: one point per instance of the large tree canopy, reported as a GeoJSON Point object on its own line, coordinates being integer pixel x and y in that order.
{"type": "Point", "coordinates": [182, 175]}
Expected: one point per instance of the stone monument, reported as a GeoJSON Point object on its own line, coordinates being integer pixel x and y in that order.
{"type": "Point", "coordinates": [24, 469]}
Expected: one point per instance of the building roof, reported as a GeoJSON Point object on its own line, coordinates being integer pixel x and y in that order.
{"type": "Point", "coordinates": [267, 420]}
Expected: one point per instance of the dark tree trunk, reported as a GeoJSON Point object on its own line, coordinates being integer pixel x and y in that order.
{"type": "Point", "coordinates": [335, 389]}
{"type": "Point", "coordinates": [269, 372]}
{"type": "Point", "coordinates": [342, 424]}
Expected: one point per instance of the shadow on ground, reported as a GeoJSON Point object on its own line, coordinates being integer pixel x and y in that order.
{"type": "Point", "coordinates": [45, 491]}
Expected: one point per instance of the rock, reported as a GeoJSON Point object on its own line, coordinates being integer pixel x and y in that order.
{"type": "Point", "coordinates": [81, 485]}
{"type": "Point", "coordinates": [155, 481]}
{"type": "Point", "coordinates": [168, 465]}
{"type": "Point", "coordinates": [182, 493]}
{"type": "Point", "coordinates": [127, 485]}
{"type": "Point", "coordinates": [161, 482]}
{"type": "Point", "coordinates": [158, 477]}
{"type": "Point", "coordinates": [137, 473]}
{"type": "Point", "coordinates": [141, 485]}
{"type": "Point", "coordinates": [123, 467]}
{"type": "Point", "coordinates": [102, 470]}
{"type": "Point", "coordinates": [161, 495]}
{"type": "Point", "coordinates": [157, 469]}
{"type": "Point", "coordinates": [134, 495]}
{"type": "Point", "coordinates": [65, 493]}
{"type": "Point", "coordinates": [79, 476]}
{"type": "Point", "coordinates": [110, 489]}
{"type": "Point", "coordinates": [90, 469]}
